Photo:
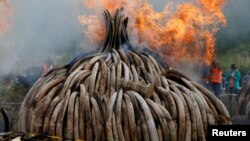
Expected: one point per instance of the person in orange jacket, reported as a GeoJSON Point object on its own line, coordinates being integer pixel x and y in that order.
{"type": "Point", "coordinates": [215, 78]}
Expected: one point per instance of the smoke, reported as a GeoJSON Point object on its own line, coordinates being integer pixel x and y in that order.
{"type": "Point", "coordinates": [50, 29]}
{"type": "Point", "coordinates": [40, 29]}
{"type": "Point", "coordinates": [238, 16]}
{"type": "Point", "coordinates": [237, 29]}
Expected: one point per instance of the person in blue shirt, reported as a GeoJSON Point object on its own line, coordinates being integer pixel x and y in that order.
{"type": "Point", "coordinates": [233, 78]}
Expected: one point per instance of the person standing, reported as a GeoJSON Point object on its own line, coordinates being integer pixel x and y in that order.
{"type": "Point", "coordinates": [233, 77]}
{"type": "Point", "coordinates": [215, 78]}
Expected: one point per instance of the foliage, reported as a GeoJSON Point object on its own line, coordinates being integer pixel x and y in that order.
{"type": "Point", "coordinates": [239, 55]}
{"type": "Point", "coordinates": [12, 93]}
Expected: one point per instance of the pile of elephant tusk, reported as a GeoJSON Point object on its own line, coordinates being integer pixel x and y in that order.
{"type": "Point", "coordinates": [118, 93]}
{"type": "Point", "coordinates": [244, 101]}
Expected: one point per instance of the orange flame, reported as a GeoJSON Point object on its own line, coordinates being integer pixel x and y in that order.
{"type": "Point", "coordinates": [185, 31]}
{"type": "Point", "coordinates": [6, 10]}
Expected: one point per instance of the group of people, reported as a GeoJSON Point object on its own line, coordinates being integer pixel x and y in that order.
{"type": "Point", "coordinates": [232, 79]}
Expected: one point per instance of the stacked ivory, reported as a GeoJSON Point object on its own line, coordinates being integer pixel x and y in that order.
{"type": "Point", "coordinates": [118, 94]}
{"type": "Point", "coordinates": [244, 101]}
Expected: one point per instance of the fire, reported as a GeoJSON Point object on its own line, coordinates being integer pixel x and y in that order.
{"type": "Point", "coordinates": [96, 31]}
{"type": "Point", "coordinates": [185, 31]}
{"type": "Point", "coordinates": [6, 10]}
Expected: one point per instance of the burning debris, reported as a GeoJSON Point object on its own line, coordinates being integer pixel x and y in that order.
{"type": "Point", "coordinates": [119, 93]}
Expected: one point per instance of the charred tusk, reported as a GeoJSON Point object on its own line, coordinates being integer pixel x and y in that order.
{"type": "Point", "coordinates": [6, 120]}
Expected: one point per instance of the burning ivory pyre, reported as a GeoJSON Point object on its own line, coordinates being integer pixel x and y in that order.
{"type": "Point", "coordinates": [119, 94]}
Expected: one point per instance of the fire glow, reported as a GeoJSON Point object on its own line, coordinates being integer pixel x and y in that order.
{"type": "Point", "coordinates": [6, 10]}
{"type": "Point", "coordinates": [183, 31]}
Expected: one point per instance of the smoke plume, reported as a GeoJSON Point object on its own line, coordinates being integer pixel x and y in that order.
{"type": "Point", "coordinates": [40, 29]}
{"type": "Point", "coordinates": [238, 29]}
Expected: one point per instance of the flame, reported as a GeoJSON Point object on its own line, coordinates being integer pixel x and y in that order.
{"type": "Point", "coordinates": [184, 31]}
{"type": "Point", "coordinates": [95, 31]}
{"type": "Point", "coordinates": [6, 10]}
